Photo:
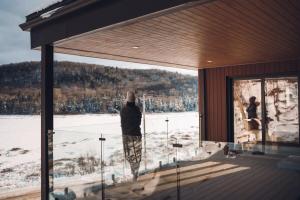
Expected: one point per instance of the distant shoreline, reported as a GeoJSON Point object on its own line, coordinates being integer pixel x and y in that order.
{"type": "Point", "coordinates": [84, 88]}
{"type": "Point", "coordinates": [60, 114]}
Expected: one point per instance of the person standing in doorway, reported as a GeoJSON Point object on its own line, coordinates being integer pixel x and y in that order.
{"type": "Point", "coordinates": [131, 131]}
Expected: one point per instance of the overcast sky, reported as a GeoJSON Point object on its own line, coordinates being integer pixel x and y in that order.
{"type": "Point", "coordinates": [15, 43]}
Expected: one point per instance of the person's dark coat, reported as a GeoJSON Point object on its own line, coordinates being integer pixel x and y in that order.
{"type": "Point", "coordinates": [252, 111]}
{"type": "Point", "coordinates": [131, 119]}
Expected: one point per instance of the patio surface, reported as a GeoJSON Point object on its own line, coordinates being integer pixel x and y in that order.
{"type": "Point", "coordinates": [243, 177]}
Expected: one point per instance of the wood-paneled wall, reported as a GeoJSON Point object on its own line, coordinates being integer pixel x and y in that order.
{"type": "Point", "coordinates": [215, 94]}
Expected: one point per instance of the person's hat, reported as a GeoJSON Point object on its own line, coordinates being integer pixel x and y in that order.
{"type": "Point", "coordinates": [130, 97]}
{"type": "Point", "coordinates": [252, 99]}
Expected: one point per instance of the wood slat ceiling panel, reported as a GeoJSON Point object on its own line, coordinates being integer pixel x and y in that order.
{"type": "Point", "coordinates": [228, 32]}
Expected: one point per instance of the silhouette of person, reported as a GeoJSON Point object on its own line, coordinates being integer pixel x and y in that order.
{"type": "Point", "coordinates": [252, 108]}
{"type": "Point", "coordinates": [252, 116]}
{"type": "Point", "coordinates": [131, 131]}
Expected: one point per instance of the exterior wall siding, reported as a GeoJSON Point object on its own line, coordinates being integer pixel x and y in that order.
{"type": "Point", "coordinates": [215, 94]}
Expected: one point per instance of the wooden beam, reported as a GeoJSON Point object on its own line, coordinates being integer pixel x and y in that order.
{"type": "Point", "coordinates": [102, 14]}
{"type": "Point", "coordinates": [46, 118]}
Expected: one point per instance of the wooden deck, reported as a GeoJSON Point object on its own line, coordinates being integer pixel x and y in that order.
{"type": "Point", "coordinates": [244, 177]}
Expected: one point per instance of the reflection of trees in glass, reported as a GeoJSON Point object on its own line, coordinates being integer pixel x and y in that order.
{"type": "Point", "coordinates": [238, 97]}
{"type": "Point", "coordinates": [274, 93]}
{"type": "Point", "coordinates": [282, 109]}
{"type": "Point", "coordinates": [281, 101]}
{"type": "Point", "coordinates": [242, 91]}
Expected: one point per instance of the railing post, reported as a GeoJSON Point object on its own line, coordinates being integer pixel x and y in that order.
{"type": "Point", "coordinates": [177, 145]}
{"type": "Point", "coordinates": [200, 130]}
{"type": "Point", "coordinates": [102, 139]}
{"type": "Point", "coordinates": [167, 121]}
{"type": "Point", "coordinates": [144, 129]}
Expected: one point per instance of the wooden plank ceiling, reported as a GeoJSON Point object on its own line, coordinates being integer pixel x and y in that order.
{"type": "Point", "coordinates": [226, 32]}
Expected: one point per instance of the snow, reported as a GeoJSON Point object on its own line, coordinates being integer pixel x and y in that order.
{"type": "Point", "coordinates": [22, 126]}
{"type": "Point", "coordinates": [50, 13]}
{"type": "Point", "coordinates": [42, 5]}
{"type": "Point", "coordinates": [78, 136]}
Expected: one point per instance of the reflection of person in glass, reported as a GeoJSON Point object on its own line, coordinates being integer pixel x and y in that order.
{"type": "Point", "coordinates": [252, 116]}
{"type": "Point", "coordinates": [252, 108]}
{"type": "Point", "coordinates": [131, 131]}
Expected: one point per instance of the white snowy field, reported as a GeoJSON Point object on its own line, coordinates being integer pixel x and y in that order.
{"type": "Point", "coordinates": [77, 147]}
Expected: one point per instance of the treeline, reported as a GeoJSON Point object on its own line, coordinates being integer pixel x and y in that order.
{"type": "Point", "coordinates": [86, 88]}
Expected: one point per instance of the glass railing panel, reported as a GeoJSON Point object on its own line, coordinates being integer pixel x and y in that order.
{"type": "Point", "coordinates": [20, 158]}
{"type": "Point", "coordinates": [77, 166]}
{"type": "Point", "coordinates": [79, 172]}
{"type": "Point", "coordinates": [77, 154]}
{"type": "Point", "coordinates": [76, 162]}
{"type": "Point", "coordinates": [165, 129]}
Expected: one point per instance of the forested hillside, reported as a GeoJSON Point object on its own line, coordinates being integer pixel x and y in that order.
{"type": "Point", "coordinates": [86, 88]}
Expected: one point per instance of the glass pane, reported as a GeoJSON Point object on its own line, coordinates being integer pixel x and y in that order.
{"type": "Point", "coordinates": [77, 150]}
{"type": "Point", "coordinates": [247, 111]}
{"type": "Point", "coordinates": [282, 110]}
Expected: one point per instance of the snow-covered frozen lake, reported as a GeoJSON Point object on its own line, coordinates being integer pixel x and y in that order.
{"type": "Point", "coordinates": [77, 138]}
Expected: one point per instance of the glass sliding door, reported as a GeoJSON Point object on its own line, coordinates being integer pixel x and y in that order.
{"type": "Point", "coordinates": [247, 110]}
{"type": "Point", "coordinates": [282, 117]}
{"type": "Point", "coordinates": [266, 110]}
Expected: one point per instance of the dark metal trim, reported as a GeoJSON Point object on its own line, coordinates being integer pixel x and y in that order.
{"type": "Point", "coordinates": [263, 112]}
{"type": "Point", "coordinates": [64, 7]}
{"type": "Point", "coordinates": [289, 144]}
{"type": "Point", "coordinates": [229, 108]}
{"type": "Point", "coordinates": [299, 100]}
{"type": "Point", "coordinates": [205, 136]}
{"type": "Point", "coordinates": [64, 4]}
{"type": "Point", "coordinates": [202, 101]}
{"type": "Point", "coordinates": [46, 115]}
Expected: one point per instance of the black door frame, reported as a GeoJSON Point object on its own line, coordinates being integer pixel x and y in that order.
{"type": "Point", "coordinates": [230, 111]}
